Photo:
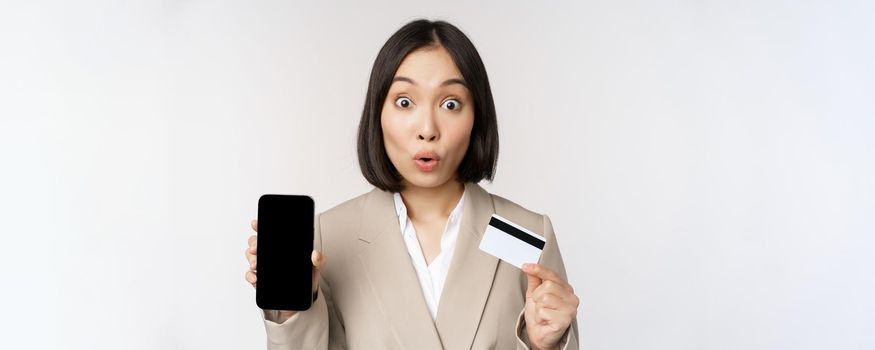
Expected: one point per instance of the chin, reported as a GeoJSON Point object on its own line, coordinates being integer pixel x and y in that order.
{"type": "Point", "coordinates": [427, 180]}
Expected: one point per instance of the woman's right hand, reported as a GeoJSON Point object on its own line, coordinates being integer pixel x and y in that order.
{"type": "Point", "coordinates": [316, 257]}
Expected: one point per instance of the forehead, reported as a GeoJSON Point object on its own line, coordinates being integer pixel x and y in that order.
{"type": "Point", "coordinates": [430, 65]}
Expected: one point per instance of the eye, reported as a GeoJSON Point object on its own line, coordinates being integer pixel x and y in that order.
{"type": "Point", "coordinates": [403, 102]}
{"type": "Point", "coordinates": [451, 104]}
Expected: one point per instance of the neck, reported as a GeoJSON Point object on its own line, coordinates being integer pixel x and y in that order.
{"type": "Point", "coordinates": [426, 203]}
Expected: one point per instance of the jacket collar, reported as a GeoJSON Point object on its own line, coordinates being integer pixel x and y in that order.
{"type": "Point", "coordinates": [393, 279]}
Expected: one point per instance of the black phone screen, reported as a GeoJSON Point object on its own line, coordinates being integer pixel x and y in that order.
{"type": "Point", "coordinates": [285, 243]}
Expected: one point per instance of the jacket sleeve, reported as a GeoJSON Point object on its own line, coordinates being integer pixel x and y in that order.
{"type": "Point", "coordinates": [317, 328]}
{"type": "Point", "coordinates": [552, 259]}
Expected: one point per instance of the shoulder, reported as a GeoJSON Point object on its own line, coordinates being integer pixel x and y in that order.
{"type": "Point", "coordinates": [338, 227]}
{"type": "Point", "coordinates": [512, 208]}
{"type": "Point", "coordinates": [520, 215]}
{"type": "Point", "coordinates": [538, 223]}
{"type": "Point", "coordinates": [347, 216]}
{"type": "Point", "coordinates": [372, 210]}
{"type": "Point", "coordinates": [343, 211]}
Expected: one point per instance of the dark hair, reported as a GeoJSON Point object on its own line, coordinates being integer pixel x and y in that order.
{"type": "Point", "coordinates": [482, 154]}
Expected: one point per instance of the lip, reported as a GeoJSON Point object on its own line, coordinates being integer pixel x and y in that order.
{"type": "Point", "coordinates": [426, 160]}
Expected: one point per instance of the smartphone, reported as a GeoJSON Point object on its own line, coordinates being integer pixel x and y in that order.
{"type": "Point", "coordinates": [285, 243]}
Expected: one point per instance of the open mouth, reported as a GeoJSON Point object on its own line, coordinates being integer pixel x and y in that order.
{"type": "Point", "coordinates": [426, 164]}
{"type": "Point", "coordinates": [426, 160]}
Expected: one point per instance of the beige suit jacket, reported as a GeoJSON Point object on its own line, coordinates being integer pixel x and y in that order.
{"type": "Point", "coordinates": [370, 297]}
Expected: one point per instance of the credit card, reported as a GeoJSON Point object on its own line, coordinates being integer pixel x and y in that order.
{"type": "Point", "coordinates": [512, 243]}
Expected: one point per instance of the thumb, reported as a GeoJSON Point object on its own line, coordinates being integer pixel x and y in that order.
{"type": "Point", "coordinates": [318, 260]}
{"type": "Point", "coordinates": [534, 282]}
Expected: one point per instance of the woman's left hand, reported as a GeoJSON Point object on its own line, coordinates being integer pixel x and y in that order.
{"type": "Point", "coordinates": [551, 305]}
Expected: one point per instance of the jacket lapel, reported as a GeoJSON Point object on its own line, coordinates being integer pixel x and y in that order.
{"type": "Point", "coordinates": [469, 280]}
{"type": "Point", "coordinates": [392, 277]}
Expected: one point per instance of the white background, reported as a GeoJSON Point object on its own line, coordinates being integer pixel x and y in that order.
{"type": "Point", "coordinates": [708, 165]}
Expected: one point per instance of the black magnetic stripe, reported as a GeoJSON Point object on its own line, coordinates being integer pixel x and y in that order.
{"type": "Point", "coordinates": [519, 234]}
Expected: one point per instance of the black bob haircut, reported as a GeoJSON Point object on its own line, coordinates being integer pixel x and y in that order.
{"type": "Point", "coordinates": [482, 154]}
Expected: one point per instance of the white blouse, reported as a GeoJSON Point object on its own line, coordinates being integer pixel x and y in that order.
{"type": "Point", "coordinates": [431, 277]}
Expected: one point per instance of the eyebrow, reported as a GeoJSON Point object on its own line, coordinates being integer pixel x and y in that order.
{"type": "Point", "coordinates": [445, 83]}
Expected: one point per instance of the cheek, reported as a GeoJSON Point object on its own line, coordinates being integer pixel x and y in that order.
{"type": "Point", "coordinates": [392, 133]}
{"type": "Point", "coordinates": [461, 136]}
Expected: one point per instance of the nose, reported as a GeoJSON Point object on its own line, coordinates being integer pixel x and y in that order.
{"type": "Point", "coordinates": [428, 129]}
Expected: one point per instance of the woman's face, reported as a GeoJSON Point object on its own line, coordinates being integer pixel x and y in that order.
{"type": "Point", "coordinates": [427, 118]}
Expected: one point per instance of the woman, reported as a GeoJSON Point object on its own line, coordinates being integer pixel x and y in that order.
{"type": "Point", "coordinates": [406, 270]}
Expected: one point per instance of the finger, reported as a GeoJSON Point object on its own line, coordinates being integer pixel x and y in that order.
{"type": "Point", "coordinates": [251, 277]}
{"type": "Point", "coordinates": [254, 224]}
{"type": "Point", "coordinates": [549, 287]}
{"type": "Point", "coordinates": [253, 241]}
{"type": "Point", "coordinates": [543, 315]}
{"type": "Point", "coordinates": [544, 273]}
{"type": "Point", "coordinates": [553, 288]}
{"type": "Point", "coordinates": [549, 301]}
{"type": "Point", "coordinates": [318, 260]}
{"type": "Point", "coordinates": [552, 319]}
{"type": "Point", "coordinates": [253, 262]}
{"type": "Point", "coordinates": [248, 252]}
{"type": "Point", "coordinates": [533, 284]}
